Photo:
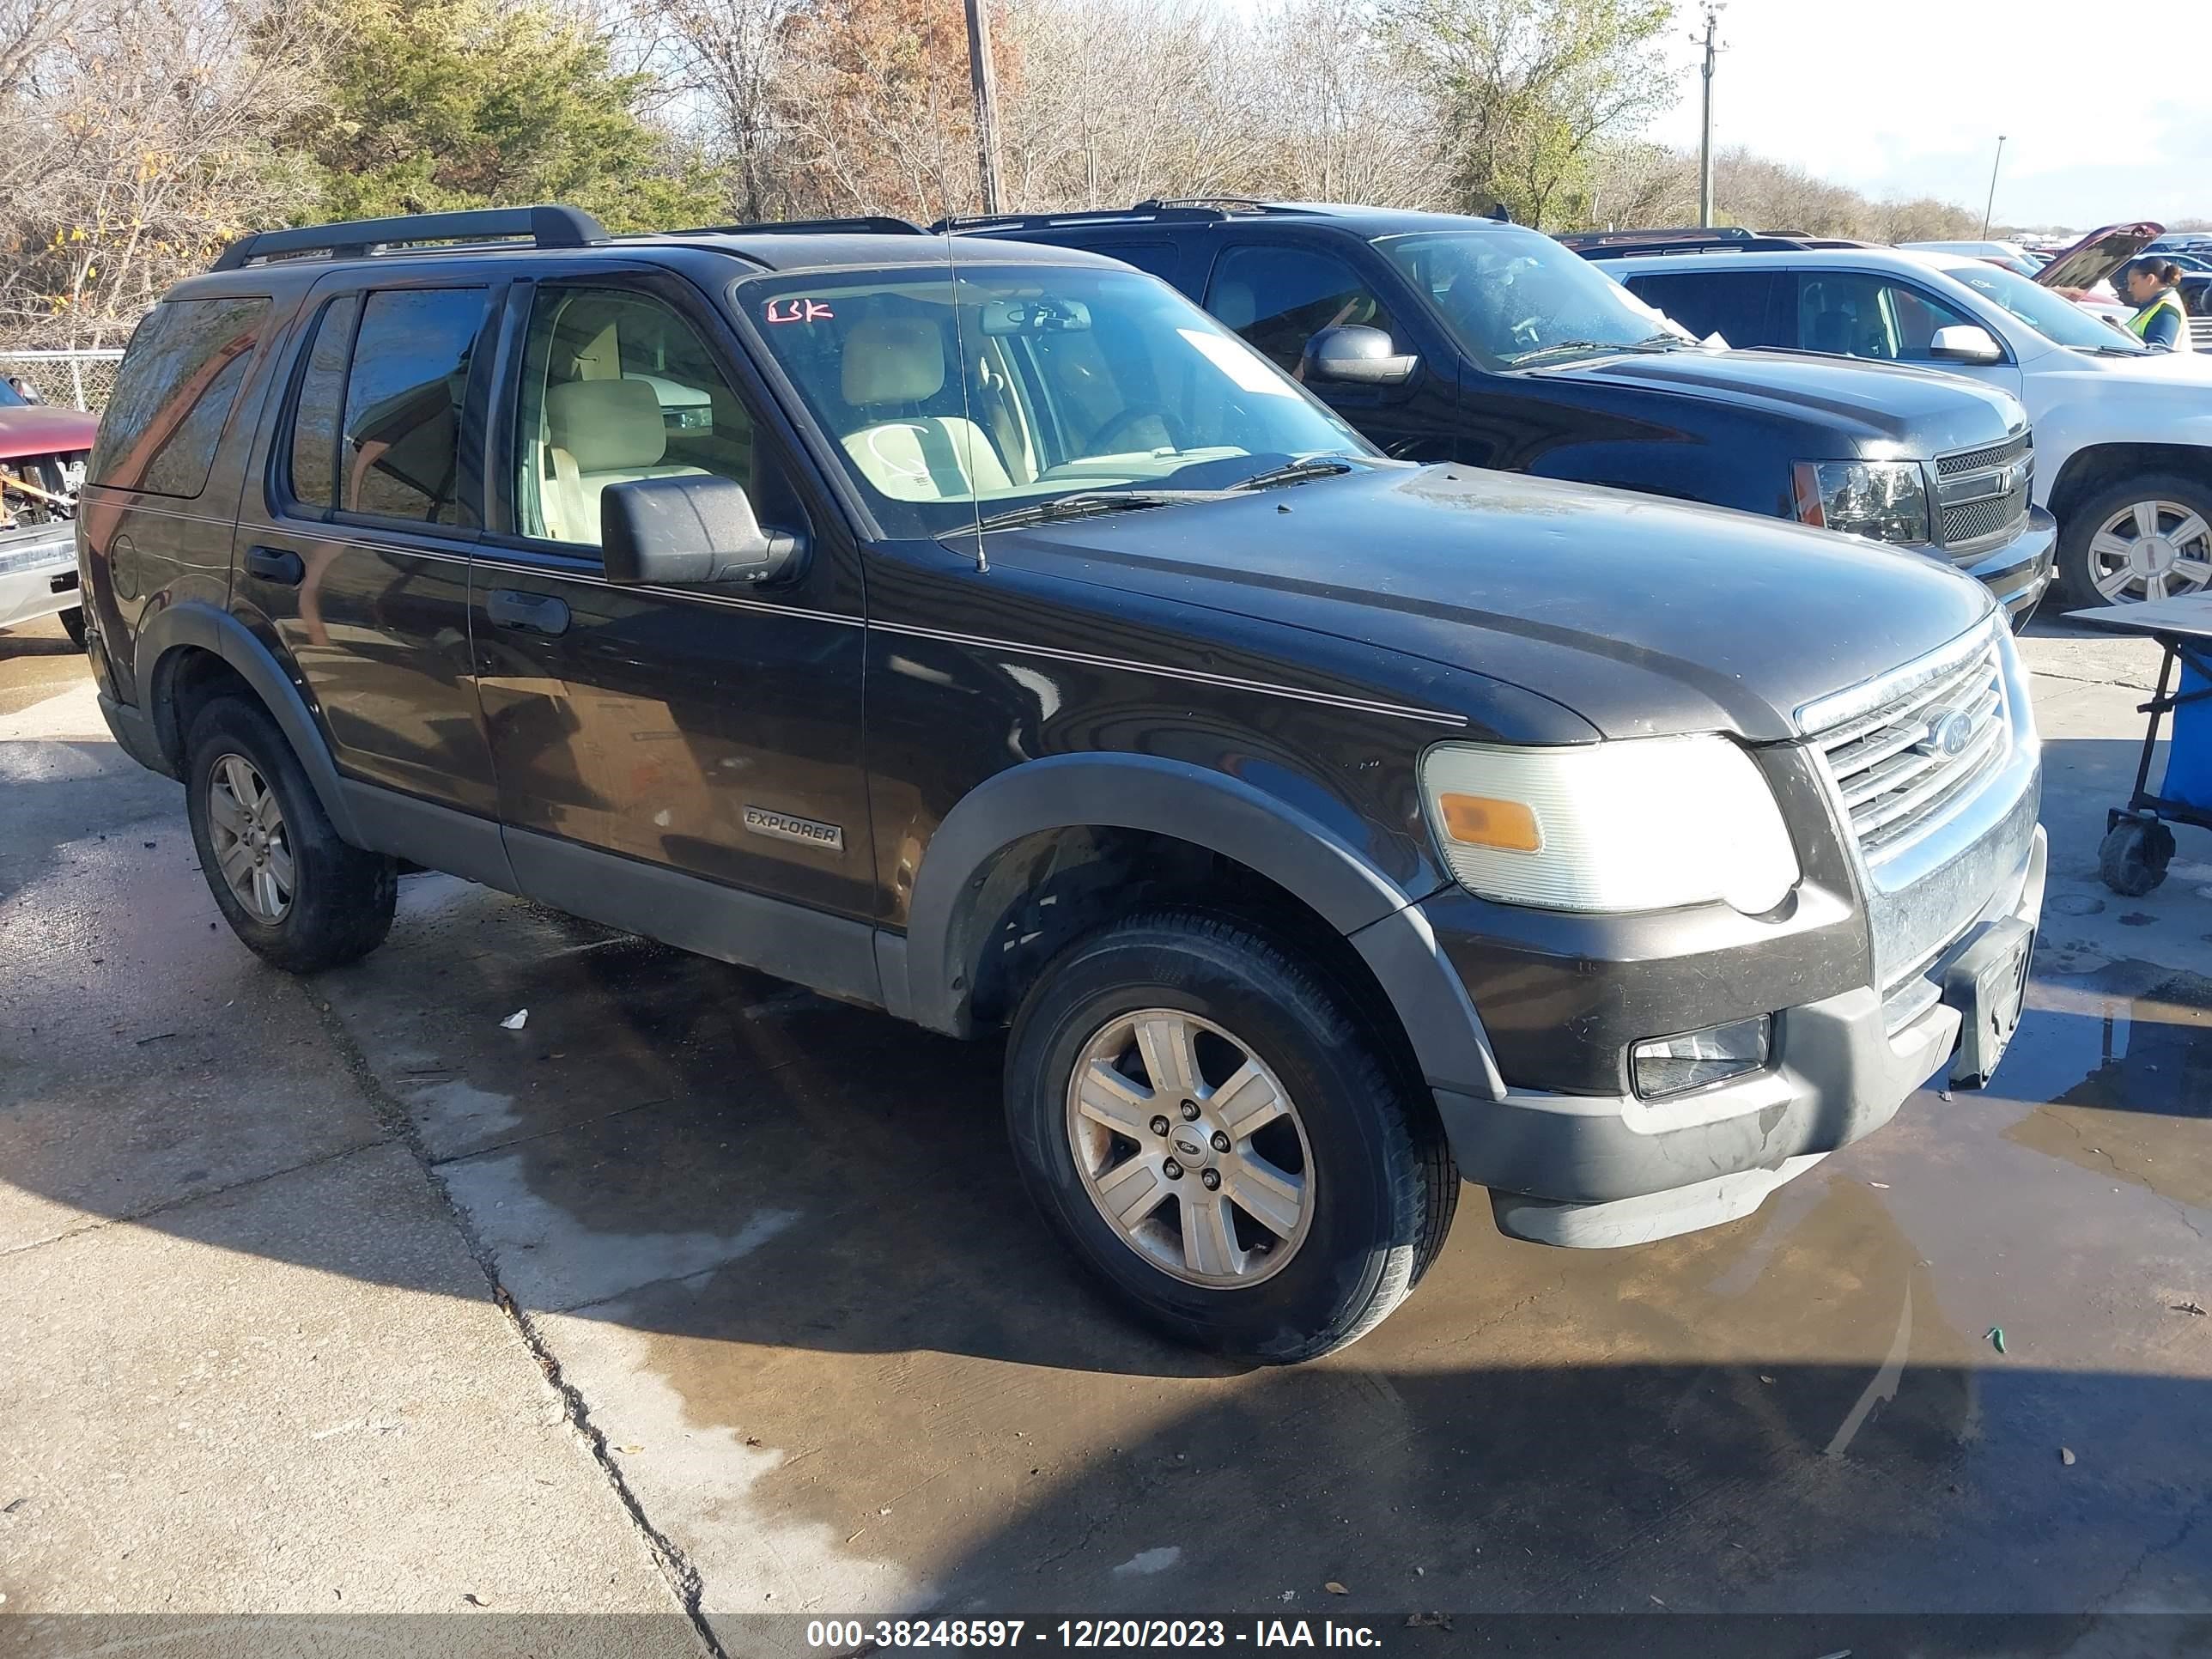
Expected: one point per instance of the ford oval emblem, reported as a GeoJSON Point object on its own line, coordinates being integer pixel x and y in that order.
{"type": "Point", "coordinates": [1952, 733]}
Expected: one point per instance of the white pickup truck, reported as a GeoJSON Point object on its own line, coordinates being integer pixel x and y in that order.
{"type": "Point", "coordinates": [2122, 435]}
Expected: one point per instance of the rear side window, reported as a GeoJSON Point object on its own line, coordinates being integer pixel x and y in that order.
{"type": "Point", "coordinates": [1737, 305]}
{"type": "Point", "coordinates": [1279, 298]}
{"type": "Point", "coordinates": [315, 418]}
{"type": "Point", "coordinates": [400, 455]}
{"type": "Point", "coordinates": [174, 394]}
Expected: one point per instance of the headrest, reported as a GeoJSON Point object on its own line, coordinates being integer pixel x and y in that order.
{"type": "Point", "coordinates": [1233, 305]}
{"type": "Point", "coordinates": [607, 426]}
{"type": "Point", "coordinates": [893, 360]}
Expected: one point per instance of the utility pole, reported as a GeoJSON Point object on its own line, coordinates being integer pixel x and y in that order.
{"type": "Point", "coordinates": [1713, 8]}
{"type": "Point", "coordinates": [1989, 206]}
{"type": "Point", "coordinates": [986, 83]}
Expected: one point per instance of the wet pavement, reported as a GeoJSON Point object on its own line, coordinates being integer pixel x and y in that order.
{"type": "Point", "coordinates": [814, 1339]}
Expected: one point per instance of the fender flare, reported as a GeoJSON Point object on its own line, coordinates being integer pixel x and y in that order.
{"type": "Point", "coordinates": [1225, 815]}
{"type": "Point", "coordinates": [195, 623]}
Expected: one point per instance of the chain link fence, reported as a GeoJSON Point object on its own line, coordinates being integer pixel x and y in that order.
{"type": "Point", "coordinates": [72, 380]}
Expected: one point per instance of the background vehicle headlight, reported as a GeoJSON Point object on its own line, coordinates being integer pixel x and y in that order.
{"type": "Point", "coordinates": [1885, 500]}
{"type": "Point", "coordinates": [1644, 824]}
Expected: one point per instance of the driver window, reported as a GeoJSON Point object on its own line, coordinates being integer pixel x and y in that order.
{"type": "Point", "coordinates": [615, 387]}
{"type": "Point", "coordinates": [1279, 298]}
{"type": "Point", "coordinates": [1843, 312]}
{"type": "Point", "coordinates": [1915, 316]}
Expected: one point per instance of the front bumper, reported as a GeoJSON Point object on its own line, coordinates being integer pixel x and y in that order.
{"type": "Point", "coordinates": [2017, 573]}
{"type": "Point", "coordinates": [1596, 1170]}
{"type": "Point", "coordinates": [37, 574]}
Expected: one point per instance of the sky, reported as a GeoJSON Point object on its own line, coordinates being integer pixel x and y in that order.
{"type": "Point", "coordinates": [2102, 104]}
{"type": "Point", "coordinates": [1907, 97]}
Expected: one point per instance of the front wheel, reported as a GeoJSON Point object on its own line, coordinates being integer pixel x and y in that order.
{"type": "Point", "coordinates": [2144, 538]}
{"type": "Point", "coordinates": [1202, 1120]}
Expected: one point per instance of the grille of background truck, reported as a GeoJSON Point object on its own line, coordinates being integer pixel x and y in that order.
{"type": "Point", "coordinates": [1970, 528]}
{"type": "Point", "coordinates": [1895, 781]}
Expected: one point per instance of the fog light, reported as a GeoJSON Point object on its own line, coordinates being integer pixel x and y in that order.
{"type": "Point", "coordinates": [1668, 1065]}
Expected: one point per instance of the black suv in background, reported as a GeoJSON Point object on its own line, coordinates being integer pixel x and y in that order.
{"type": "Point", "coordinates": [1447, 338]}
{"type": "Point", "coordinates": [1017, 650]}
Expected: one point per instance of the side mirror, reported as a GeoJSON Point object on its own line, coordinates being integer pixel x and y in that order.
{"type": "Point", "coordinates": [691, 530]}
{"type": "Point", "coordinates": [1965, 342]}
{"type": "Point", "coordinates": [1361, 356]}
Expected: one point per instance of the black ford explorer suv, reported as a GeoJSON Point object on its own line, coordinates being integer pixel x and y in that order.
{"type": "Point", "coordinates": [1001, 642]}
{"type": "Point", "coordinates": [1447, 338]}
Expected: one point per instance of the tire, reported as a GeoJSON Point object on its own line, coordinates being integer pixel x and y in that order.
{"type": "Point", "coordinates": [72, 620]}
{"type": "Point", "coordinates": [2165, 500]}
{"type": "Point", "coordinates": [1374, 1181]}
{"type": "Point", "coordinates": [338, 905]}
{"type": "Point", "coordinates": [2134, 855]}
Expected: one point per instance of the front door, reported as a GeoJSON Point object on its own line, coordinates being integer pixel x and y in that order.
{"type": "Point", "coordinates": [1278, 296]}
{"type": "Point", "coordinates": [643, 734]}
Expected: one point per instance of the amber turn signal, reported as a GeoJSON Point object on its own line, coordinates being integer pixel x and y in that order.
{"type": "Point", "coordinates": [1480, 821]}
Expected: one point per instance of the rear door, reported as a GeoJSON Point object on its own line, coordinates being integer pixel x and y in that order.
{"type": "Point", "coordinates": [709, 733]}
{"type": "Point", "coordinates": [355, 551]}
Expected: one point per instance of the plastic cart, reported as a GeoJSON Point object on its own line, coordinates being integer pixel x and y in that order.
{"type": "Point", "coordinates": [2138, 842]}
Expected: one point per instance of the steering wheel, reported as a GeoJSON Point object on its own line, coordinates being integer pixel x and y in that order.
{"type": "Point", "coordinates": [1525, 332]}
{"type": "Point", "coordinates": [1129, 418]}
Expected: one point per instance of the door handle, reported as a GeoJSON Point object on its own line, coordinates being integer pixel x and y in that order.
{"type": "Point", "coordinates": [538, 613]}
{"type": "Point", "coordinates": [275, 564]}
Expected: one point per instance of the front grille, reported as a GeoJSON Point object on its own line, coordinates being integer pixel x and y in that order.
{"type": "Point", "coordinates": [1900, 767]}
{"type": "Point", "coordinates": [1986, 517]}
{"type": "Point", "coordinates": [1982, 495]}
{"type": "Point", "coordinates": [1974, 460]}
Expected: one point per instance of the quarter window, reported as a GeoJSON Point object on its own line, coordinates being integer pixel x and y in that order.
{"type": "Point", "coordinates": [315, 417]}
{"type": "Point", "coordinates": [174, 394]}
{"type": "Point", "coordinates": [400, 455]}
{"type": "Point", "coordinates": [1279, 298]}
{"type": "Point", "coordinates": [615, 387]}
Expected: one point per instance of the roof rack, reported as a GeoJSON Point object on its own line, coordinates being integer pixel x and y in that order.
{"type": "Point", "coordinates": [870, 224]}
{"type": "Point", "coordinates": [1175, 208]}
{"type": "Point", "coordinates": [545, 226]}
{"type": "Point", "coordinates": [1626, 243]}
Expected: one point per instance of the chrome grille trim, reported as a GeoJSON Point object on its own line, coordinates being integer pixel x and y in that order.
{"type": "Point", "coordinates": [1893, 780]}
{"type": "Point", "coordinates": [1973, 460]}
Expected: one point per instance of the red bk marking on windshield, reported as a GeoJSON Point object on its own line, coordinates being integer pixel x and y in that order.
{"type": "Point", "coordinates": [799, 311]}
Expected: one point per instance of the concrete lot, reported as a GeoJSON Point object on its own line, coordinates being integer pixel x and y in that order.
{"type": "Point", "coordinates": [702, 1296]}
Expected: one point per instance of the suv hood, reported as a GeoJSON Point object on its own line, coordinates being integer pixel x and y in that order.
{"type": "Point", "coordinates": [2098, 255]}
{"type": "Point", "coordinates": [35, 430]}
{"type": "Point", "coordinates": [1886, 408]}
{"type": "Point", "coordinates": [1644, 617]}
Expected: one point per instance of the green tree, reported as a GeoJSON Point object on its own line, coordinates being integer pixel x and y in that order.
{"type": "Point", "coordinates": [1528, 92]}
{"type": "Point", "coordinates": [435, 104]}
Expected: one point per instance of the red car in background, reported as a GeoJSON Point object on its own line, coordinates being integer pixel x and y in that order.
{"type": "Point", "coordinates": [42, 456]}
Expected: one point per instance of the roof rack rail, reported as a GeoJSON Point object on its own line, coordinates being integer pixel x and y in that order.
{"type": "Point", "coordinates": [871, 224]}
{"type": "Point", "coordinates": [546, 227]}
{"type": "Point", "coordinates": [1623, 244]}
{"type": "Point", "coordinates": [1179, 207]}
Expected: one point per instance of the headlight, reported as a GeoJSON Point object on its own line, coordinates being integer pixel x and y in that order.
{"type": "Point", "coordinates": [1646, 824]}
{"type": "Point", "coordinates": [1885, 500]}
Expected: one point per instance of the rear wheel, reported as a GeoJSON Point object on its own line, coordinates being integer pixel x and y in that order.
{"type": "Point", "coordinates": [2144, 538]}
{"type": "Point", "coordinates": [291, 889]}
{"type": "Point", "coordinates": [1206, 1124]}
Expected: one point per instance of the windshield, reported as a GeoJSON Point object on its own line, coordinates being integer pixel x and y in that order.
{"type": "Point", "coordinates": [1509, 295]}
{"type": "Point", "coordinates": [2051, 314]}
{"type": "Point", "coordinates": [1075, 382]}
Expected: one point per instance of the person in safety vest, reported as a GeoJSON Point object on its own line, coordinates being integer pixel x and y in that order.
{"type": "Point", "coordinates": [2159, 322]}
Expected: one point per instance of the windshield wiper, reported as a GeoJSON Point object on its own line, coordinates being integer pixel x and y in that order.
{"type": "Point", "coordinates": [1656, 343]}
{"type": "Point", "coordinates": [1089, 504]}
{"type": "Point", "coordinates": [1298, 472]}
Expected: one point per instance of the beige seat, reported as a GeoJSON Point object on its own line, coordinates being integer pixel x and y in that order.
{"type": "Point", "coordinates": [599, 432]}
{"type": "Point", "coordinates": [893, 361]}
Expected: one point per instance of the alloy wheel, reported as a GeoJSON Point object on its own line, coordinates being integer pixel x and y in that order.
{"type": "Point", "coordinates": [252, 847]}
{"type": "Point", "coordinates": [1191, 1148]}
{"type": "Point", "coordinates": [2152, 550]}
